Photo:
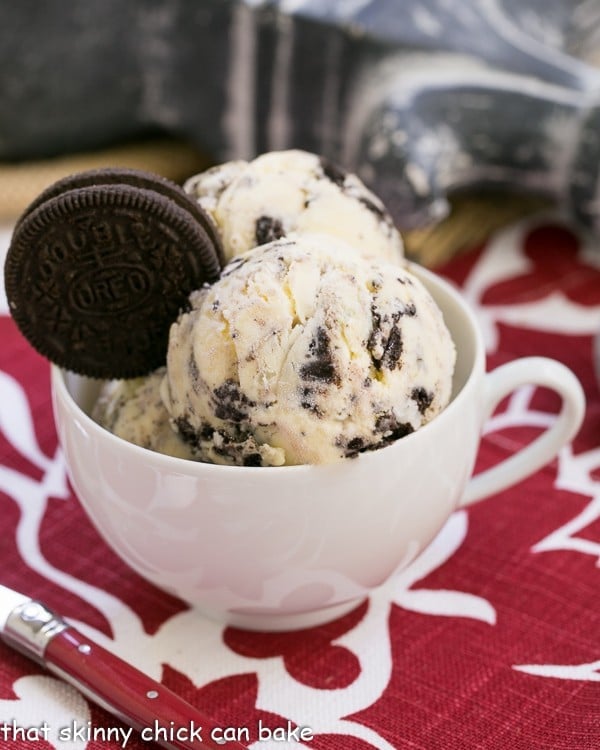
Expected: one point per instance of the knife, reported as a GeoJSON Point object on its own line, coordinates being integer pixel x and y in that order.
{"type": "Point", "coordinates": [32, 628]}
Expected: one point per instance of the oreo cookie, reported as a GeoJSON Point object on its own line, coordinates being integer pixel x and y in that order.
{"type": "Point", "coordinates": [100, 265]}
{"type": "Point", "coordinates": [137, 179]}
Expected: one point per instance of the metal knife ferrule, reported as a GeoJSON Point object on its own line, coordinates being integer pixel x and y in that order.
{"type": "Point", "coordinates": [31, 626]}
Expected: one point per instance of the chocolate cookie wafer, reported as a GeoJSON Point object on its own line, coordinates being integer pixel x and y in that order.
{"type": "Point", "coordinates": [136, 178]}
{"type": "Point", "coordinates": [95, 275]}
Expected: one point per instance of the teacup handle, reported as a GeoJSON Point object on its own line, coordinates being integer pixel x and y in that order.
{"type": "Point", "coordinates": [498, 384]}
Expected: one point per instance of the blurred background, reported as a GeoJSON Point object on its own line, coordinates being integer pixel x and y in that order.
{"type": "Point", "coordinates": [462, 115]}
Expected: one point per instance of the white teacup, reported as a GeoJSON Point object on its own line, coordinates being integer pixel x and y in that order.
{"type": "Point", "coordinates": [286, 547]}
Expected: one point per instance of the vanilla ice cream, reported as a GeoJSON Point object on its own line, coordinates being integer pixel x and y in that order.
{"type": "Point", "coordinates": [306, 352]}
{"type": "Point", "coordinates": [281, 192]}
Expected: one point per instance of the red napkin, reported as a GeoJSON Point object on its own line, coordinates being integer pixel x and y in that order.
{"type": "Point", "coordinates": [489, 641]}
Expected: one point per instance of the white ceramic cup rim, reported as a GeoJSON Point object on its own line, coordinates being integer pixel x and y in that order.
{"type": "Point", "coordinates": [342, 537]}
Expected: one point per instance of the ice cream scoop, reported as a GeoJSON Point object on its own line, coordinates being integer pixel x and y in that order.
{"type": "Point", "coordinates": [133, 410]}
{"type": "Point", "coordinates": [306, 352]}
{"type": "Point", "coordinates": [293, 191]}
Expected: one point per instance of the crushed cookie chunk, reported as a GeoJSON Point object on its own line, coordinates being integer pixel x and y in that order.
{"type": "Point", "coordinates": [392, 350]}
{"type": "Point", "coordinates": [186, 431]}
{"type": "Point", "coordinates": [267, 229]}
{"type": "Point", "coordinates": [376, 210]}
{"type": "Point", "coordinates": [422, 397]}
{"type": "Point", "coordinates": [333, 171]}
{"type": "Point", "coordinates": [230, 404]}
{"type": "Point", "coordinates": [308, 400]}
{"type": "Point", "coordinates": [391, 429]}
{"type": "Point", "coordinates": [385, 340]}
{"type": "Point", "coordinates": [321, 367]}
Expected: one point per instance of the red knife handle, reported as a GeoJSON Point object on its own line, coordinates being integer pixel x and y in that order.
{"type": "Point", "coordinates": [132, 696]}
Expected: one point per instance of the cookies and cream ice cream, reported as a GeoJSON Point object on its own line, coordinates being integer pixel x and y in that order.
{"type": "Point", "coordinates": [294, 191]}
{"type": "Point", "coordinates": [315, 344]}
{"type": "Point", "coordinates": [133, 409]}
{"type": "Point", "coordinates": [304, 351]}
